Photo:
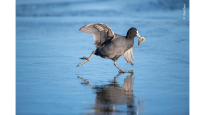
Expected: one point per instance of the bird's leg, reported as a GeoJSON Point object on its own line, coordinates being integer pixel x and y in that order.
{"type": "Point", "coordinates": [122, 71]}
{"type": "Point", "coordinates": [87, 59]}
{"type": "Point", "coordinates": [117, 66]}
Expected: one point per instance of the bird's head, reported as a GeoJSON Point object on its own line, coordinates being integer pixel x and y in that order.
{"type": "Point", "coordinates": [132, 32]}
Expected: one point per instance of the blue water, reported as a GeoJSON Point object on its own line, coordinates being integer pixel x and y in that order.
{"type": "Point", "coordinates": [49, 45]}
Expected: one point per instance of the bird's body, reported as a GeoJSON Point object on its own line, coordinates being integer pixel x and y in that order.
{"type": "Point", "coordinates": [113, 49]}
{"type": "Point", "coordinates": [110, 45]}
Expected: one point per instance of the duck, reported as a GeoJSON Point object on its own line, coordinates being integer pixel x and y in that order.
{"type": "Point", "coordinates": [110, 45]}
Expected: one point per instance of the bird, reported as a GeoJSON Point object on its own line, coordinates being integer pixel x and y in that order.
{"type": "Point", "coordinates": [111, 45]}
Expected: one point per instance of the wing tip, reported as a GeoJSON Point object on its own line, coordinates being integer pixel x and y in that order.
{"type": "Point", "coordinates": [81, 28]}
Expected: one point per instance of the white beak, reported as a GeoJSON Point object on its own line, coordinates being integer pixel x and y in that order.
{"type": "Point", "coordinates": [138, 35]}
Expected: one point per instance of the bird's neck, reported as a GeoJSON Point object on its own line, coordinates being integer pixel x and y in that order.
{"type": "Point", "coordinates": [130, 40]}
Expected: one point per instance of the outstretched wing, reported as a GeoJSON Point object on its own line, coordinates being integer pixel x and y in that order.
{"type": "Point", "coordinates": [101, 32]}
{"type": "Point", "coordinates": [128, 55]}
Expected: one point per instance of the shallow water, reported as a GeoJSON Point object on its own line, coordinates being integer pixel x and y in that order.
{"type": "Point", "coordinates": [49, 45]}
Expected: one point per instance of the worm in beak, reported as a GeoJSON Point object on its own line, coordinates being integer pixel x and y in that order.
{"type": "Point", "coordinates": [142, 40]}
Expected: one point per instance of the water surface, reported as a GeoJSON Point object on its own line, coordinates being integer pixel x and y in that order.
{"type": "Point", "coordinates": [49, 45]}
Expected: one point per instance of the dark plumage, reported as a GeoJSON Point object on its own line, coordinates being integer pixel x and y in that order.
{"type": "Point", "coordinates": [110, 45]}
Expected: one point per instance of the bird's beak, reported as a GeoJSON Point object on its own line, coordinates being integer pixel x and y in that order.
{"type": "Point", "coordinates": [138, 35]}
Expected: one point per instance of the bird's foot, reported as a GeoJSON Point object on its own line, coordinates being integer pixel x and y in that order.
{"type": "Point", "coordinates": [123, 71]}
{"type": "Point", "coordinates": [85, 58]}
{"type": "Point", "coordinates": [78, 65]}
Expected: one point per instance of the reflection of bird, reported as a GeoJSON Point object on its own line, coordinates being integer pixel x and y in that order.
{"type": "Point", "coordinates": [111, 96]}
{"type": "Point", "coordinates": [110, 45]}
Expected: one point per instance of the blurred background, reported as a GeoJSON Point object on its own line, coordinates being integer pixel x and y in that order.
{"type": "Point", "coordinates": [49, 45]}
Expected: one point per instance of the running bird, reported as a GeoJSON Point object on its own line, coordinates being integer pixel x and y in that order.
{"type": "Point", "coordinates": [110, 45]}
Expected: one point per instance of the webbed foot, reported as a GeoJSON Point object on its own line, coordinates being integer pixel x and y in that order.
{"type": "Point", "coordinates": [85, 58]}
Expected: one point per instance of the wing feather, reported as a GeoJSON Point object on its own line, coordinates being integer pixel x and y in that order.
{"type": "Point", "coordinates": [101, 32]}
{"type": "Point", "coordinates": [128, 55]}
